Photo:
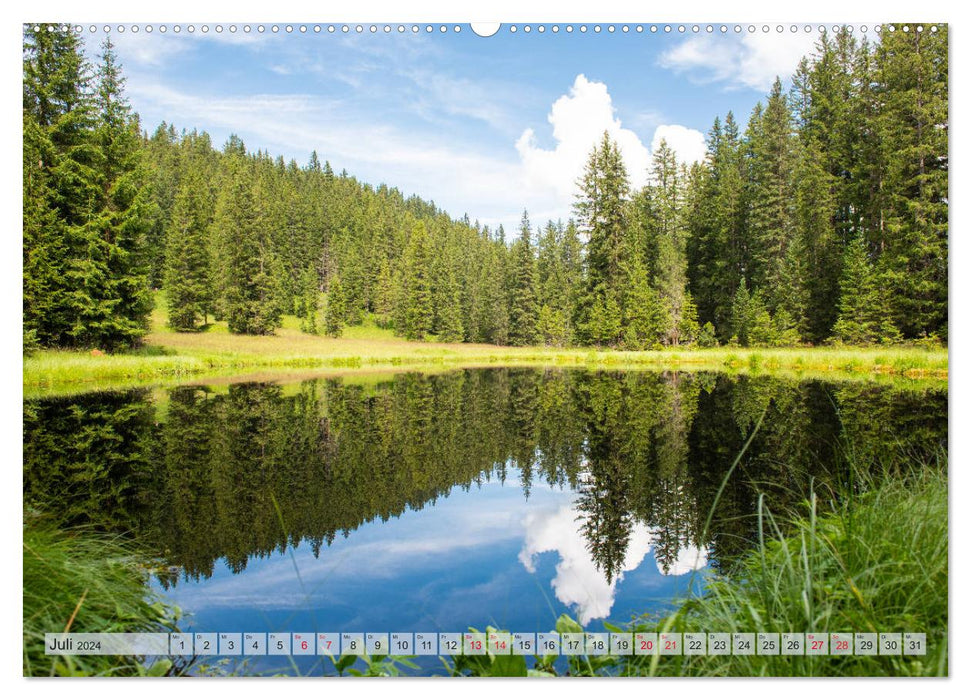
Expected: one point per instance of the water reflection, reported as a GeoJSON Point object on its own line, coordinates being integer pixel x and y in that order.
{"type": "Point", "coordinates": [601, 471]}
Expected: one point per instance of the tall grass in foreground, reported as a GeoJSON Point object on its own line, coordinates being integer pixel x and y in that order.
{"type": "Point", "coordinates": [878, 563]}
{"type": "Point", "coordinates": [78, 580]}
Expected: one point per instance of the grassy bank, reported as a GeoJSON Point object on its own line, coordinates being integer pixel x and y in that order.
{"type": "Point", "coordinates": [169, 356]}
{"type": "Point", "coordinates": [83, 581]}
{"type": "Point", "coordinates": [879, 563]}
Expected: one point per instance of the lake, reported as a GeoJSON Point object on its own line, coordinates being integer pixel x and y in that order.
{"type": "Point", "coordinates": [439, 502]}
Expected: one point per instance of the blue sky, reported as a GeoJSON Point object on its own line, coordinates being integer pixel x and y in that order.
{"type": "Point", "coordinates": [484, 126]}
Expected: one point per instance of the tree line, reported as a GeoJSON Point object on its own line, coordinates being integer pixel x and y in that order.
{"type": "Point", "coordinates": [825, 220]}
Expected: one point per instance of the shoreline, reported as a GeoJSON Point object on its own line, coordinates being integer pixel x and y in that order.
{"type": "Point", "coordinates": [53, 372]}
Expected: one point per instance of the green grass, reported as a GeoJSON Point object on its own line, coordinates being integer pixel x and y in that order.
{"type": "Point", "coordinates": [879, 563]}
{"type": "Point", "coordinates": [78, 580]}
{"type": "Point", "coordinates": [168, 356]}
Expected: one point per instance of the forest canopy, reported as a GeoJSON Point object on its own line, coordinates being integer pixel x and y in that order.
{"type": "Point", "coordinates": [823, 220]}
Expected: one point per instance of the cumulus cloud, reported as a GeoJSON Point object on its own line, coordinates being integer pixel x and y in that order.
{"type": "Point", "coordinates": [687, 144]}
{"type": "Point", "coordinates": [578, 581]}
{"type": "Point", "coordinates": [578, 120]}
{"type": "Point", "coordinates": [753, 61]}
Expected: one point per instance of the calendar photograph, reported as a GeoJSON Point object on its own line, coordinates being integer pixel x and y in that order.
{"type": "Point", "coordinates": [485, 350]}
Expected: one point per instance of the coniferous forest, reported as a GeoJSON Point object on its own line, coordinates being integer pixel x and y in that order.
{"type": "Point", "coordinates": [821, 219]}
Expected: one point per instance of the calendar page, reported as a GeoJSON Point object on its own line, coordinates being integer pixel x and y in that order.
{"type": "Point", "coordinates": [429, 348]}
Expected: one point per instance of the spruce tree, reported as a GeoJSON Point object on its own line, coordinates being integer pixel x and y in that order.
{"type": "Point", "coordinates": [417, 298]}
{"type": "Point", "coordinates": [188, 285]}
{"type": "Point", "coordinates": [450, 328]}
{"type": "Point", "coordinates": [310, 300]}
{"type": "Point", "coordinates": [246, 285]}
{"type": "Point", "coordinates": [864, 316]}
{"type": "Point", "coordinates": [688, 329]}
{"type": "Point", "coordinates": [523, 311]}
{"type": "Point", "coordinates": [771, 221]}
{"type": "Point", "coordinates": [912, 126]}
{"type": "Point", "coordinates": [819, 248]}
{"type": "Point", "coordinates": [85, 280]}
{"type": "Point", "coordinates": [718, 247]}
{"type": "Point", "coordinates": [601, 208]}
{"type": "Point", "coordinates": [646, 320]}
{"type": "Point", "coordinates": [741, 318]}
{"type": "Point", "coordinates": [336, 312]}
{"type": "Point", "coordinates": [667, 236]}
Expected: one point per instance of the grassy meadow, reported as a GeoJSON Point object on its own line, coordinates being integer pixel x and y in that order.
{"type": "Point", "coordinates": [168, 356]}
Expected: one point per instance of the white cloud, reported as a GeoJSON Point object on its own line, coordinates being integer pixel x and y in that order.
{"type": "Point", "coordinates": [578, 581]}
{"type": "Point", "coordinates": [438, 93]}
{"type": "Point", "coordinates": [751, 62]}
{"type": "Point", "coordinates": [578, 120]}
{"type": "Point", "coordinates": [689, 559]}
{"type": "Point", "coordinates": [688, 144]}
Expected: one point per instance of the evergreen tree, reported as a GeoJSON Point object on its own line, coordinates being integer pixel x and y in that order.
{"type": "Point", "coordinates": [912, 127]}
{"type": "Point", "coordinates": [494, 317]}
{"type": "Point", "coordinates": [310, 300]}
{"type": "Point", "coordinates": [818, 246]}
{"type": "Point", "coordinates": [85, 198]}
{"type": "Point", "coordinates": [417, 298]}
{"type": "Point", "coordinates": [741, 321]}
{"type": "Point", "coordinates": [772, 216]}
{"type": "Point", "coordinates": [718, 247]}
{"type": "Point", "coordinates": [863, 313]}
{"type": "Point", "coordinates": [523, 314]}
{"type": "Point", "coordinates": [243, 261]}
{"type": "Point", "coordinates": [688, 329]}
{"type": "Point", "coordinates": [667, 236]}
{"type": "Point", "coordinates": [601, 208]}
{"type": "Point", "coordinates": [336, 312]}
{"type": "Point", "coordinates": [646, 320]}
{"type": "Point", "coordinates": [604, 324]}
{"type": "Point", "coordinates": [188, 285]}
{"type": "Point", "coordinates": [450, 329]}
{"type": "Point", "coordinates": [164, 170]}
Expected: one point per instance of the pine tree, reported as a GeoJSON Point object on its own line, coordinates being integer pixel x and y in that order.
{"type": "Point", "coordinates": [336, 312]}
{"type": "Point", "coordinates": [523, 312]}
{"type": "Point", "coordinates": [864, 316]}
{"type": "Point", "coordinates": [667, 236]}
{"type": "Point", "coordinates": [601, 208]}
{"type": "Point", "coordinates": [310, 300]}
{"type": "Point", "coordinates": [772, 217]}
{"type": "Point", "coordinates": [450, 328]}
{"type": "Point", "coordinates": [912, 127]}
{"type": "Point", "coordinates": [741, 319]}
{"type": "Point", "coordinates": [244, 262]}
{"type": "Point", "coordinates": [188, 286]}
{"type": "Point", "coordinates": [646, 320]}
{"type": "Point", "coordinates": [417, 309]}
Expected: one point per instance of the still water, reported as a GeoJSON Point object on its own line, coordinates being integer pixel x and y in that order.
{"type": "Point", "coordinates": [431, 503]}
